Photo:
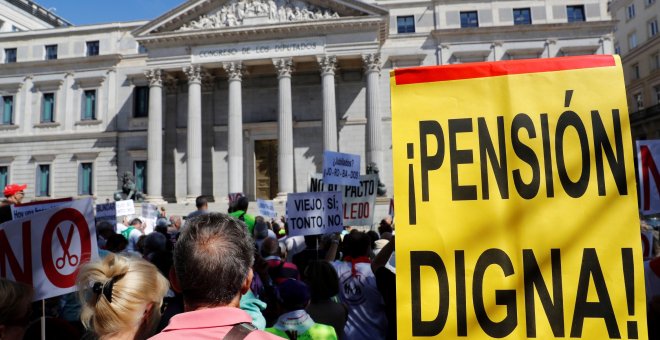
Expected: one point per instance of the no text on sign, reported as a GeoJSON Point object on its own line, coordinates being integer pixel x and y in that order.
{"type": "Point", "coordinates": [341, 168]}
{"type": "Point", "coordinates": [532, 154]}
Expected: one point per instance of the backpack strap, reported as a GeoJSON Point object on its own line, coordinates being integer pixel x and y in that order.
{"type": "Point", "coordinates": [242, 216]}
{"type": "Point", "coordinates": [240, 331]}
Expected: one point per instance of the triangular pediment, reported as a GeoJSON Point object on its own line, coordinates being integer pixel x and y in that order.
{"type": "Point", "coordinates": [206, 15]}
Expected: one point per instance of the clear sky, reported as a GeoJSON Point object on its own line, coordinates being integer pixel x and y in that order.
{"type": "Point", "coordinates": [84, 12]}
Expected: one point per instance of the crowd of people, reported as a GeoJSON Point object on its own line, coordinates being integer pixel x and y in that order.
{"type": "Point", "coordinates": [215, 275]}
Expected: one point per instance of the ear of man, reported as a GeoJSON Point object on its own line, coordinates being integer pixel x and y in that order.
{"type": "Point", "coordinates": [248, 281]}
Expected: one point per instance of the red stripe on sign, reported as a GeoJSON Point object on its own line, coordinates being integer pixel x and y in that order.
{"type": "Point", "coordinates": [500, 68]}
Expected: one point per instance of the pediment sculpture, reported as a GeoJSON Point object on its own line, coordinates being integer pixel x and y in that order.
{"type": "Point", "coordinates": [241, 12]}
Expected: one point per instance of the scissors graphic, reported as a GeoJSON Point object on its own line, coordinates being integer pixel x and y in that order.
{"type": "Point", "coordinates": [73, 259]}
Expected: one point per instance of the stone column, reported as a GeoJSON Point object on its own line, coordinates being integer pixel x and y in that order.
{"type": "Point", "coordinates": [328, 66]}
{"type": "Point", "coordinates": [374, 124]}
{"type": "Point", "coordinates": [235, 126]}
{"type": "Point", "coordinates": [155, 137]}
{"type": "Point", "coordinates": [284, 127]}
{"type": "Point", "coordinates": [194, 132]}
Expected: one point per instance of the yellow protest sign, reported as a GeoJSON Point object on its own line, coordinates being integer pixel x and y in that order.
{"type": "Point", "coordinates": [516, 202]}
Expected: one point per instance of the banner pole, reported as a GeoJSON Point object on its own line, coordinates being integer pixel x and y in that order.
{"type": "Point", "coordinates": [43, 319]}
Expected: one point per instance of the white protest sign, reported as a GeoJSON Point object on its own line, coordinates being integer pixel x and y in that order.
{"type": "Point", "coordinates": [359, 202]}
{"type": "Point", "coordinates": [125, 208]}
{"type": "Point", "coordinates": [266, 208]}
{"type": "Point", "coordinates": [341, 168]}
{"type": "Point", "coordinates": [313, 213]}
{"type": "Point", "coordinates": [106, 212]}
{"type": "Point", "coordinates": [150, 215]}
{"type": "Point", "coordinates": [28, 209]}
{"type": "Point", "coordinates": [648, 156]}
{"type": "Point", "coordinates": [45, 250]}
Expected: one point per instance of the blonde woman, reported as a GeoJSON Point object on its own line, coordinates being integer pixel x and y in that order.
{"type": "Point", "coordinates": [121, 297]}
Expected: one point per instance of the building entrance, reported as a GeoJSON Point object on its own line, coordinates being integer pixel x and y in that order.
{"type": "Point", "coordinates": [265, 155]}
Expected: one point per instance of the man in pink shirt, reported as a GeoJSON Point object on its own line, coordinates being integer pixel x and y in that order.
{"type": "Point", "coordinates": [213, 263]}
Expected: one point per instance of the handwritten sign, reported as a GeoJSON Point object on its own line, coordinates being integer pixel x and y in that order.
{"type": "Point", "coordinates": [266, 208]}
{"type": "Point", "coordinates": [125, 208]}
{"type": "Point", "coordinates": [359, 202]}
{"type": "Point", "coordinates": [45, 250]}
{"type": "Point", "coordinates": [314, 213]}
{"type": "Point", "coordinates": [341, 168]}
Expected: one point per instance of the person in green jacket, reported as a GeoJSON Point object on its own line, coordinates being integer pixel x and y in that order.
{"type": "Point", "coordinates": [238, 209]}
{"type": "Point", "coordinates": [294, 322]}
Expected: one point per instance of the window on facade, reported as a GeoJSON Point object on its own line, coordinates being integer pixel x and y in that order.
{"type": "Point", "coordinates": [639, 101]}
{"type": "Point", "coordinates": [141, 101]}
{"type": "Point", "coordinates": [85, 179]}
{"type": "Point", "coordinates": [48, 108]}
{"type": "Point", "coordinates": [43, 180]}
{"type": "Point", "coordinates": [141, 49]}
{"type": "Point", "coordinates": [7, 110]}
{"type": "Point", "coordinates": [405, 24]}
{"type": "Point", "coordinates": [89, 105]}
{"type": "Point", "coordinates": [140, 175]}
{"type": "Point", "coordinates": [51, 52]}
{"type": "Point", "coordinates": [522, 16]}
{"type": "Point", "coordinates": [575, 13]}
{"type": "Point", "coordinates": [656, 90]}
{"type": "Point", "coordinates": [632, 40]}
{"type": "Point", "coordinates": [655, 61]}
{"type": "Point", "coordinates": [4, 176]}
{"type": "Point", "coordinates": [92, 48]}
{"type": "Point", "coordinates": [635, 71]}
{"type": "Point", "coordinates": [630, 11]}
{"type": "Point", "coordinates": [10, 55]}
{"type": "Point", "coordinates": [653, 28]}
{"type": "Point", "coordinates": [469, 19]}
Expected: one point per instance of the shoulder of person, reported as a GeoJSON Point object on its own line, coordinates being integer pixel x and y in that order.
{"type": "Point", "coordinates": [257, 335]}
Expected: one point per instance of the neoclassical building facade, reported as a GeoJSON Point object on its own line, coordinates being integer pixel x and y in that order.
{"type": "Point", "coordinates": [223, 96]}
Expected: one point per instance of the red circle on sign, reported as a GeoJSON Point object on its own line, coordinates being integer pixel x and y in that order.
{"type": "Point", "coordinates": [67, 214]}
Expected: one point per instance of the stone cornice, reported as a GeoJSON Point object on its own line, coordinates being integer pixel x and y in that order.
{"type": "Point", "coordinates": [635, 52]}
{"type": "Point", "coordinates": [56, 136]}
{"type": "Point", "coordinates": [78, 63]}
{"type": "Point", "coordinates": [245, 33]}
{"type": "Point", "coordinates": [548, 29]}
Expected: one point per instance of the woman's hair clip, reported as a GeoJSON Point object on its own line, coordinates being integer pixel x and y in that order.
{"type": "Point", "coordinates": [105, 289]}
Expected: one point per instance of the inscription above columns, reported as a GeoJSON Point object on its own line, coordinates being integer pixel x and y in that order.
{"type": "Point", "coordinates": [258, 50]}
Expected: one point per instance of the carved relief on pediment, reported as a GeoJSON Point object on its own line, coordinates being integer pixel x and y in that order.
{"type": "Point", "coordinates": [242, 12]}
